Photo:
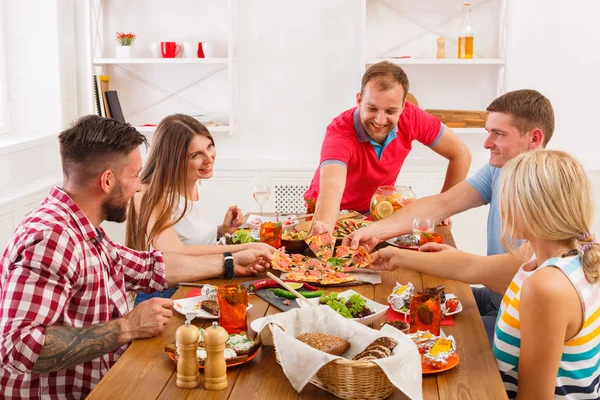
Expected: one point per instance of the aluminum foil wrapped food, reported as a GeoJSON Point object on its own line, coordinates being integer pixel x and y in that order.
{"type": "Point", "coordinates": [440, 351]}
{"type": "Point", "coordinates": [400, 296]}
{"type": "Point", "coordinates": [209, 291]}
{"type": "Point", "coordinates": [424, 340]}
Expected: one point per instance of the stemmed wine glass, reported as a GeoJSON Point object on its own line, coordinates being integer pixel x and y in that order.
{"type": "Point", "coordinates": [422, 224]}
{"type": "Point", "coordinates": [261, 194]}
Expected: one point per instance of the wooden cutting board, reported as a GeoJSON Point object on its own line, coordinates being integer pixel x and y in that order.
{"type": "Point", "coordinates": [460, 118]}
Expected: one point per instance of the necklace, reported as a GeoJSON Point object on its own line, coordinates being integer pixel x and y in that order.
{"type": "Point", "coordinates": [558, 251]}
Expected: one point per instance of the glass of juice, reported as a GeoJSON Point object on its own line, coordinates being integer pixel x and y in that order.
{"type": "Point", "coordinates": [310, 207]}
{"type": "Point", "coordinates": [233, 301]}
{"type": "Point", "coordinates": [270, 233]}
{"type": "Point", "coordinates": [425, 313]}
{"type": "Point", "coordinates": [434, 237]}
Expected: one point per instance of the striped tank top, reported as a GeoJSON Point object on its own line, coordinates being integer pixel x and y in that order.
{"type": "Point", "coordinates": [579, 370]}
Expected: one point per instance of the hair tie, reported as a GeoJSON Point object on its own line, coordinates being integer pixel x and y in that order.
{"type": "Point", "coordinates": [590, 239]}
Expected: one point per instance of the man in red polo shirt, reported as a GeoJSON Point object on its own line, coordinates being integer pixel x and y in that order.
{"type": "Point", "coordinates": [365, 147]}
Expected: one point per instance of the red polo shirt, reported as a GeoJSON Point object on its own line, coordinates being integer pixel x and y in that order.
{"type": "Point", "coordinates": [346, 142]}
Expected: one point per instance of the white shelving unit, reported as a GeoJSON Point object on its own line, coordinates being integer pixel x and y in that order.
{"type": "Point", "coordinates": [434, 61]}
{"type": "Point", "coordinates": [151, 88]}
{"type": "Point", "coordinates": [405, 33]}
{"type": "Point", "coordinates": [106, 61]}
{"type": "Point", "coordinates": [211, 129]}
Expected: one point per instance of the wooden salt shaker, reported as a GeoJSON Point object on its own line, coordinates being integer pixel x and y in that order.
{"type": "Point", "coordinates": [215, 369]}
{"type": "Point", "coordinates": [441, 42]}
{"type": "Point", "coordinates": [188, 376]}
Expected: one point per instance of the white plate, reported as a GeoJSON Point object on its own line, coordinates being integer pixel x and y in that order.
{"type": "Point", "coordinates": [378, 309]}
{"type": "Point", "coordinates": [448, 296]}
{"type": "Point", "coordinates": [192, 304]}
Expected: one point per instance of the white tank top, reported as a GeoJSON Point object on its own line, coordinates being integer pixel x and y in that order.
{"type": "Point", "coordinates": [193, 229]}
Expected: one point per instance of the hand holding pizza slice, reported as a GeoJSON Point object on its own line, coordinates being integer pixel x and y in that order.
{"type": "Point", "coordinates": [322, 245]}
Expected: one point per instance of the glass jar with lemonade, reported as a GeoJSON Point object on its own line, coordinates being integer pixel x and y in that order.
{"type": "Point", "coordinates": [388, 199]}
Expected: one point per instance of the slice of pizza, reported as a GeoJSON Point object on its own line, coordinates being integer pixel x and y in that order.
{"type": "Point", "coordinates": [322, 245]}
{"type": "Point", "coordinates": [299, 260]}
{"type": "Point", "coordinates": [281, 261]}
{"type": "Point", "coordinates": [347, 259]}
{"type": "Point", "coordinates": [334, 278]}
{"type": "Point", "coordinates": [309, 276]}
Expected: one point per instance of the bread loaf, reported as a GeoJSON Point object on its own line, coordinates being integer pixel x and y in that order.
{"type": "Point", "coordinates": [381, 347]}
{"type": "Point", "coordinates": [325, 342]}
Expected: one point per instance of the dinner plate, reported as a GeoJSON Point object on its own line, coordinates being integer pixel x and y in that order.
{"type": "Point", "coordinates": [448, 296]}
{"type": "Point", "coordinates": [452, 362]}
{"type": "Point", "coordinates": [192, 305]}
{"type": "Point", "coordinates": [250, 357]}
{"type": "Point", "coordinates": [378, 309]}
{"type": "Point", "coordinates": [392, 242]}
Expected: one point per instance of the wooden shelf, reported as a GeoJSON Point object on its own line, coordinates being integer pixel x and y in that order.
{"type": "Point", "coordinates": [435, 61]}
{"type": "Point", "coordinates": [474, 131]}
{"type": "Point", "coordinates": [102, 61]}
{"type": "Point", "coordinates": [211, 129]}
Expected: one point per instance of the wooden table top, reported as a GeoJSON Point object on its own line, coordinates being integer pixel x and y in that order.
{"type": "Point", "coordinates": [145, 371]}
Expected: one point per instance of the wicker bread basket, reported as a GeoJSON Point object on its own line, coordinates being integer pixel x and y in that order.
{"type": "Point", "coordinates": [349, 379]}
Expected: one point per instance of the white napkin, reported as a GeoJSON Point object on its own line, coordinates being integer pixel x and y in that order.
{"type": "Point", "coordinates": [364, 275]}
{"type": "Point", "coordinates": [301, 362]}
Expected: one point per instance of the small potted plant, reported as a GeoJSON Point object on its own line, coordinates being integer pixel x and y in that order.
{"type": "Point", "coordinates": [125, 42]}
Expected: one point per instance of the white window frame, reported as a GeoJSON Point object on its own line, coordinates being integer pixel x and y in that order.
{"type": "Point", "coordinates": [4, 90]}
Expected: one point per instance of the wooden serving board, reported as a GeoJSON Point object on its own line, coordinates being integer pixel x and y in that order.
{"type": "Point", "coordinates": [460, 118]}
{"type": "Point", "coordinates": [275, 301]}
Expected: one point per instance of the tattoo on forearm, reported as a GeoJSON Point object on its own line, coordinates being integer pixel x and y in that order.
{"type": "Point", "coordinates": [67, 346]}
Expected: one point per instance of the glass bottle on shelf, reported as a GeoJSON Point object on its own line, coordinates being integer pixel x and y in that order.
{"type": "Point", "coordinates": [465, 33]}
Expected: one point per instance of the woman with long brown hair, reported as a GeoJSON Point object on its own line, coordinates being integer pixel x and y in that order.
{"type": "Point", "coordinates": [166, 214]}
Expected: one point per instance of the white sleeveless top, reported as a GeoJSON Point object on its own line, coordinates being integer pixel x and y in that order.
{"type": "Point", "coordinates": [193, 229]}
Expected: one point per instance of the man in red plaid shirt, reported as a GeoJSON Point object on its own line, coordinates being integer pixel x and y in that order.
{"type": "Point", "coordinates": [63, 308]}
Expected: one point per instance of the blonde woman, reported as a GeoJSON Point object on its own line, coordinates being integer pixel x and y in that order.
{"type": "Point", "coordinates": [166, 215]}
{"type": "Point", "coordinates": [547, 338]}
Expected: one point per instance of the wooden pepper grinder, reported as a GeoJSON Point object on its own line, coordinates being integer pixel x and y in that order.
{"type": "Point", "coordinates": [188, 376]}
{"type": "Point", "coordinates": [215, 369]}
{"type": "Point", "coordinates": [441, 43]}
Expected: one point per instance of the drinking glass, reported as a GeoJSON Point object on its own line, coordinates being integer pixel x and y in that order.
{"type": "Point", "coordinates": [233, 301]}
{"type": "Point", "coordinates": [422, 224]}
{"type": "Point", "coordinates": [261, 194]}
{"type": "Point", "coordinates": [425, 313]}
{"type": "Point", "coordinates": [270, 233]}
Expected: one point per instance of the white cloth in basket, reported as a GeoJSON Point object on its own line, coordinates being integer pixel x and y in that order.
{"type": "Point", "coordinates": [301, 362]}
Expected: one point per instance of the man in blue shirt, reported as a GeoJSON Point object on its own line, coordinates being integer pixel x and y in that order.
{"type": "Point", "coordinates": [518, 121]}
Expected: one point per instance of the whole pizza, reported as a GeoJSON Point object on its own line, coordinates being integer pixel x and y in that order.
{"type": "Point", "coordinates": [327, 270]}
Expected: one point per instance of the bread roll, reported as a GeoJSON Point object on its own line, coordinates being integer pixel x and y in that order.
{"type": "Point", "coordinates": [325, 342]}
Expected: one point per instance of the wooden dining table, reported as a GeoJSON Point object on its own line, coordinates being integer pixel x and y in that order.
{"type": "Point", "coordinates": [145, 370]}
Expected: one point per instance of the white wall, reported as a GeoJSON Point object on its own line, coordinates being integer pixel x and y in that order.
{"type": "Point", "coordinates": [299, 66]}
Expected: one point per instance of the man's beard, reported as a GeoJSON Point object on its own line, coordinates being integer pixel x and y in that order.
{"type": "Point", "coordinates": [115, 208]}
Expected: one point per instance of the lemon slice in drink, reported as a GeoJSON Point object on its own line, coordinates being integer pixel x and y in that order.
{"type": "Point", "coordinates": [295, 285]}
{"type": "Point", "coordinates": [384, 209]}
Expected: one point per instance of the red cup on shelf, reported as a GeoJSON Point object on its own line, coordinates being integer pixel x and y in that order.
{"type": "Point", "coordinates": [200, 50]}
{"type": "Point", "coordinates": [169, 49]}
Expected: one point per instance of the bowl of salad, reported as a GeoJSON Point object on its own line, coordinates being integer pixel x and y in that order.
{"type": "Point", "coordinates": [352, 305]}
{"type": "Point", "coordinates": [293, 240]}
{"type": "Point", "coordinates": [241, 236]}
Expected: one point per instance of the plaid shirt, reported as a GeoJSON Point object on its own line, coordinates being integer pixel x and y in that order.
{"type": "Point", "coordinates": [59, 270]}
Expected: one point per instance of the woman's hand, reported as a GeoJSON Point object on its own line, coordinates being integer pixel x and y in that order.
{"type": "Point", "coordinates": [233, 219]}
{"type": "Point", "coordinates": [385, 259]}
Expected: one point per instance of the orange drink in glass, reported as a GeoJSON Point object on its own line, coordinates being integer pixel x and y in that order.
{"type": "Point", "coordinates": [425, 313]}
{"type": "Point", "coordinates": [233, 301]}
{"type": "Point", "coordinates": [270, 233]}
{"type": "Point", "coordinates": [434, 237]}
{"type": "Point", "coordinates": [310, 207]}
